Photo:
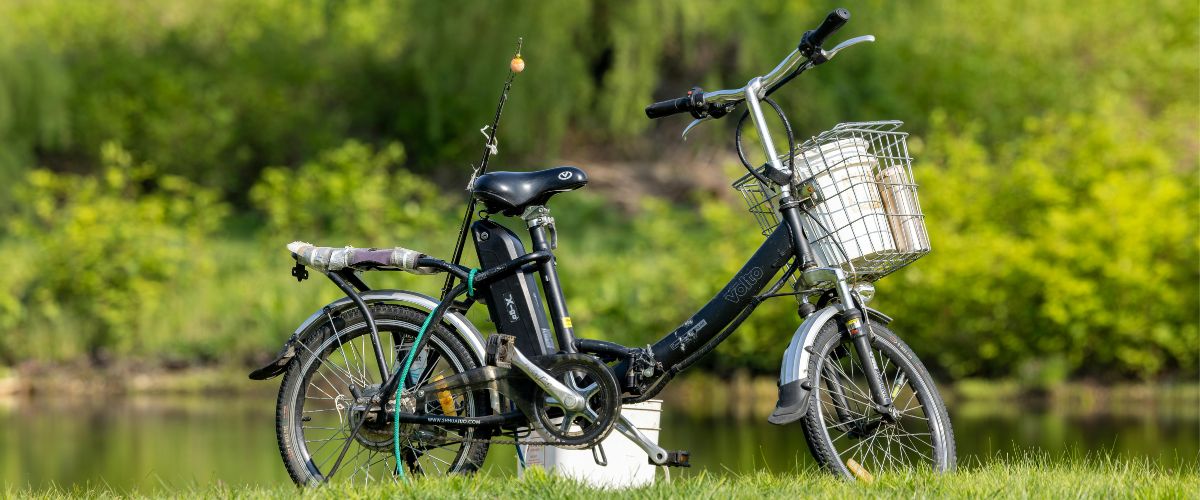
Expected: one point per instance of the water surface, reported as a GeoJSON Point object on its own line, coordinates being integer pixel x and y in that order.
{"type": "Point", "coordinates": [154, 443]}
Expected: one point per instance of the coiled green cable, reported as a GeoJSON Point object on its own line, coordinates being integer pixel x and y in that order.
{"type": "Point", "coordinates": [412, 353]}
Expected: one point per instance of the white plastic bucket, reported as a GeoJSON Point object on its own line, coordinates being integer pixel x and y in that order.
{"type": "Point", "coordinates": [851, 209]}
{"type": "Point", "coordinates": [628, 466]}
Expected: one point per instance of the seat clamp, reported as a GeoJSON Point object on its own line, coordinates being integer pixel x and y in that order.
{"type": "Point", "coordinates": [538, 216]}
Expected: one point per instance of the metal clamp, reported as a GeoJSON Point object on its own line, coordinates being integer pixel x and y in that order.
{"type": "Point", "coordinates": [539, 215]}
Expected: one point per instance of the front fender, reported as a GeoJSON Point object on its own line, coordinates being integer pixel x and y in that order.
{"type": "Point", "coordinates": [459, 324]}
{"type": "Point", "coordinates": [793, 372]}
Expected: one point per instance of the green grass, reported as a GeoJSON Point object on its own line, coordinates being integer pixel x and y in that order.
{"type": "Point", "coordinates": [1035, 476]}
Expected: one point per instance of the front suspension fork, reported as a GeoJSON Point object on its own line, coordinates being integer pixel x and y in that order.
{"type": "Point", "coordinates": [866, 356]}
{"type": "Point", "coordinates": [851, 313]}
{"type": "Point", "coordinates": [852, 316]}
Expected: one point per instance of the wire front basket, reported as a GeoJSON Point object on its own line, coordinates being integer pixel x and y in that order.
{"type": "Point", "coordinates": [857, 191]}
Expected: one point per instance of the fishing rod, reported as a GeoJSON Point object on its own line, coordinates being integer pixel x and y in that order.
{"type": "Point", "coordinates": [516, 65]}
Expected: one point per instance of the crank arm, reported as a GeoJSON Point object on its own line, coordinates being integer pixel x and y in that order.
{"type": "Point", "coordinates": [570, 399]}
{"type": "Point", "coordinates": [658, 456]}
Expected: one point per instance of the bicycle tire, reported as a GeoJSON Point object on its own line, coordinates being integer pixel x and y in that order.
{"type": "Point", "coordinates": [324, 348]}
{"type": "Point", "coordinates": [856, 419]}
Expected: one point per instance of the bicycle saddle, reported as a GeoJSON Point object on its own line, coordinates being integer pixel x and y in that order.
{"type": "Point", "coordinates": [509, 193]}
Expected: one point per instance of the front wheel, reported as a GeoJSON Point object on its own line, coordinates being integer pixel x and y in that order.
{"type": "Point", "coordinates": [847, 435]}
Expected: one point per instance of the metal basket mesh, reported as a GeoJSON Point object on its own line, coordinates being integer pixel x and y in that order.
{"type": "Point", "coordinates": [858, 192]}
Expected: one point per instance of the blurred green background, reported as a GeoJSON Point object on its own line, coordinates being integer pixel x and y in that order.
{"type": "Point", "coordinates": [157, 156]}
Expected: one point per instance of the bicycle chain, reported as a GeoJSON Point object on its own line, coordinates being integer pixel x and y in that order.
{"type": "Point", "coordinates": [515, 442]}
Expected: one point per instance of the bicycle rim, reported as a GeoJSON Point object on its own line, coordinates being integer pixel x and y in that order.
{"type": "Point", "coordinates": [326, 411]}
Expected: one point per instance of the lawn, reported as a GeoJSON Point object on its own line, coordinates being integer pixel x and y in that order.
{"type": "Point", "coordinates": [1034, 476]}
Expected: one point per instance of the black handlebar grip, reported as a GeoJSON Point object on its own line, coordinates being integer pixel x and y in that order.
{"type": "Point", "coordinates": [833, 22]}
{"type": "Point", "coordinates": [669, 107]}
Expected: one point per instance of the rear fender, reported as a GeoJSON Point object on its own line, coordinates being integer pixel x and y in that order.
{"type": "Point", "coordinates": [457, 323]}
{"type": "Point", "coordinates": [794, 388]}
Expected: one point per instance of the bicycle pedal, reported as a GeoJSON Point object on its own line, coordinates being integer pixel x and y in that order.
{"type": "Point", "coordinates": [677, 458]}
{"type": "Point", "coordinates": [499, 350]}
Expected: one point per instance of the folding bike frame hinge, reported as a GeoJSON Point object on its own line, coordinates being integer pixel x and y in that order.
{"type": "Point", "coordinates": [499, 350]}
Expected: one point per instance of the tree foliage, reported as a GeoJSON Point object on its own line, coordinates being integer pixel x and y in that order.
{"type": "Point", "coordinates": [217, 90]}
{"type": "Point", "coordinates": [1074, 242]}
{"type": "Point", "coordinates": [1056, 149]}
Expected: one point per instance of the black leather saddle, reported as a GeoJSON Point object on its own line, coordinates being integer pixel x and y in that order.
{"type": "Point", "coordinates": [508, 193]}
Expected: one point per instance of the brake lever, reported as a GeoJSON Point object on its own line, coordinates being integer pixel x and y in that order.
{"type": "Point", "coordinates": [693, 125]}
{"type": "Point", "coordinates": [828, 54]}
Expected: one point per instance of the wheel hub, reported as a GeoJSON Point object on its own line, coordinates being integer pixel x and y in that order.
{"type": "Point", "coordinates": [375, 433]}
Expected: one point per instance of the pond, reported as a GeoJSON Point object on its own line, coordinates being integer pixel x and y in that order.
{"type": "Point", "coordinates": [154, 443]}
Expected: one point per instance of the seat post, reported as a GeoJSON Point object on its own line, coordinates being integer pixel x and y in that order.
{"type": "Point", "coordinates": [539, 221]}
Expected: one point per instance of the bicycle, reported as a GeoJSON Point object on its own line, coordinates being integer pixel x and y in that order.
{"type": "Point", "coordinates": [413, 387]}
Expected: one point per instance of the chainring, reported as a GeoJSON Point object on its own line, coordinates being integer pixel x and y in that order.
{"type": "Point", "coordinates": [583, 428]}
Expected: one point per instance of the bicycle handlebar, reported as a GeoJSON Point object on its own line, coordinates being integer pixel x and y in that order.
{"type": "Point", "coordinates": [717, 103]}
{"type": "Point", "coordinates": [813, 39]}
{"type": "Point", "coordinates": [669, 107]}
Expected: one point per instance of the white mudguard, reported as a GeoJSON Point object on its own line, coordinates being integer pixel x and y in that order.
{"type": "Point", "coordinates": [794, 387]}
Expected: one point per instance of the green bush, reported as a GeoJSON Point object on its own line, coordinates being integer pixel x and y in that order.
{"type": "Point", "coordinates": [104, 250]}
{"type": "Point", "coordinates": [351, 192]}
{"type": "Point", "coordinates": [34, 87]}
{"type": "Point", "coordinates": [1076, 238]}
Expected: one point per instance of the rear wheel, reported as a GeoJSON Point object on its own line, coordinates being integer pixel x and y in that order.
{"type": "Point", "coordinates": [847, 435]}
{"type": "Point", "coordinates": [323, 391]}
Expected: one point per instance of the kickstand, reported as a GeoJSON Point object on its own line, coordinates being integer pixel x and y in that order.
{"type": "Point", "coordinates": [599, 456]}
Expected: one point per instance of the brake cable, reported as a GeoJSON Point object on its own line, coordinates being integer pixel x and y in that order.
{"type": "Point", "coordinates": [737, 141]}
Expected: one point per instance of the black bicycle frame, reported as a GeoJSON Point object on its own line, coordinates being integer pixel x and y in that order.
{"type": "Point", "coordinates": [700, 333]}
{"type": "Point", "coordinates": [681, 348]}
{"type": "Point", "coordinates": [697, 336]}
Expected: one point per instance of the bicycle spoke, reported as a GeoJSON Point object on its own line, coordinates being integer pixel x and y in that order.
{"type": "Point", "coordinates": [853, 426]}
{"type": "Point", "coordinates": [327, 363]}
{"type": "Point", "coordinates": [331, 407]}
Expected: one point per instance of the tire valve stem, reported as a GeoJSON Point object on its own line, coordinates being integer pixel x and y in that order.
{"type": "Point", "coordinates": [444, 398]}
{"type": "Point", "coordinates": [859, 472]}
